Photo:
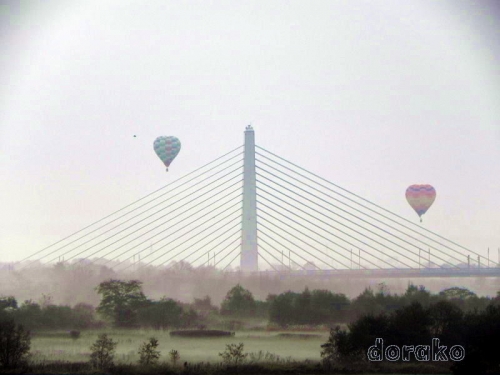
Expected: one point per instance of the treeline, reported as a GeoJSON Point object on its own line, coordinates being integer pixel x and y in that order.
{"type": "Point", "coordinates": [123, 304]}
{"type": "Point", "coordinates": [467, 340]}
{"type": "Point", "coordinates": [45, 315]}
{"type": "Point", "coordinates": [324, 307]}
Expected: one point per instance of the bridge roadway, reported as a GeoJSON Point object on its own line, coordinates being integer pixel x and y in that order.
{"type": "Point", "coordinates": [390, 273]}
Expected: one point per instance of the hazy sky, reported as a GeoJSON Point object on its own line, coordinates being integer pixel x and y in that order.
{"type": "Point", "coordinates": [371, 95]}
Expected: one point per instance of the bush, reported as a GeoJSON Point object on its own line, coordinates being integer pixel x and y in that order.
{"type": "Point", "coordinates": [174, 356]}
{"type": "Point", "coordinates": [74, 334]}
{"type": "Point", "coordinates": [148, 353]}
{"type": "Point", "coordinates": [338, 348]}
{"type": "Point", "coordinates": [103, 351]}
{"type": "Point", "coordinates": [14, 345]}
{"type": "Point", "coordinates": [233, 354]}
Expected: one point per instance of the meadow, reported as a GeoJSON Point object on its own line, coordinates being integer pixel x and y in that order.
{"type": "Point", "coordinates": [279, 345]}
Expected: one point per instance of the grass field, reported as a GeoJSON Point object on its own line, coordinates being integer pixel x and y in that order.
{"type": "Point", "coordinates": [53, 347]}
{"type": "Point", "coordinates": [286, 350]}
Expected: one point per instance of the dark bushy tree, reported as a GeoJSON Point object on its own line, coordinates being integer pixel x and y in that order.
{"type": "Point", "coordinates": [281, 309]}
{"type": "Point", "coordinates": [302, 308]}
{"type": "Point", "coordinates": [162, 314]}
{"type": "Point", "coordinates": [457, 293]}
{"type": "Point", "coordinates": [239, 301]}
{"type": "Point", "coordinates": [262, 309]}
{"type": "Point", "coordinates": [411, 324]}
{"type": "Point", "coordinates": [189, 318]}
{"type": "Point", "coordinates": [8, 302]}
{"type": "Point", "coordinates": [447, 322]}
{"type": "Point", "coordinates": [418, 294]}
{"type": "Point", "coordinates": [29, 315]}
{"type": "Point", "coordinates": [57, 317]}
{"type": "Point", "coordinates": [339, 348]}
{"type": "Point", "coordinates": [480, 333]}
{"type": "Point", "coordinates": [83, 316]}
{"type": "Point", "coordinates": [362, 335]}
{"type": "Point", "coordinates": [14, 345]}
{"type": "Point", "coordinates": [327, 307]}
{"type": "Point", "coordinates": [121, 301]}
{"type": "Point", "coordinates": [316, 307]}
{"type": "Point", "coordinates": [204, 304]}
{"type": "Point", "coordinates": [364, 304]}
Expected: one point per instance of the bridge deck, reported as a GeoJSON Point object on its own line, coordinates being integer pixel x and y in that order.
{"type": "Point", "coordinates": [391, 273]}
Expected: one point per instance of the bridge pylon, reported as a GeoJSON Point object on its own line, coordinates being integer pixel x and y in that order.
{"type": "Point", "coordinates": [249, 249]}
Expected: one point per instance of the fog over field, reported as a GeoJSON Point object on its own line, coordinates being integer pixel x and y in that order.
{"type": "Point", "coordinates": [71, 286]}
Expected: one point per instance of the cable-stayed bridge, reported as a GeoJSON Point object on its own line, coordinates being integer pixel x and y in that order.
{"type": "Point", "coordinates": [253, 209]}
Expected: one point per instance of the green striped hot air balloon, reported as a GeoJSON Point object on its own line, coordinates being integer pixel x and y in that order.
{"type": "Point", "coordinates": [167, 148]}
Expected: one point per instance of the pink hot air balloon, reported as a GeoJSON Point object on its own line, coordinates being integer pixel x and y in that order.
{"type": "Point", "coordinates": [420, 198]}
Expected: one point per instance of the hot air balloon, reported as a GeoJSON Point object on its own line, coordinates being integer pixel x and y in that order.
{"type": "Point", "coordinates": [167, 148]}
{"type": "Point", "coordinates": [420, 198]}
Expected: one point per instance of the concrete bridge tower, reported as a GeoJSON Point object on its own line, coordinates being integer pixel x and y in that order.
{"type": "Point", "coordinates": [249, 249]}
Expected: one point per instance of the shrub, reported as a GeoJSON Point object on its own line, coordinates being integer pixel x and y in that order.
{"type": "Point", "coordinates": [233, 354]}
{"type": "Point", "coordinates": [103, 351]}
{"type": "Point", "coordinates": [174, 356]}
{"type": "Point", "coordinates": [14, 344]}
{"type": "Point", "coordinates": [74, 334]}
{"type": "Point", "coordinates": [337, 349]}
{"type": "Point", "coordinates": [148, 353]}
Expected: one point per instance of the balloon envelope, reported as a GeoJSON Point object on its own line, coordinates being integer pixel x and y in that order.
{"type": "Point", "coordinates": [420, 197]}
{"type": "Point", "coordinates": [167, 148]}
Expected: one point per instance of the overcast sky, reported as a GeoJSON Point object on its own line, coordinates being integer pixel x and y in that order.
{"type": "Point", "coordinates": [371, 95]}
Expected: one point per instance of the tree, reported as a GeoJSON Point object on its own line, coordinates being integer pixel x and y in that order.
{"type": "Point", "coordinates": [362, 335]}
{"type": "Point", "coordinates": [446, 322]}
{"type": "Point", "coordinates": [238, 301]}
{"type": "Point", "coordinates": [457, 293]}
{"type": "Point", "coordinates": [57, 317]}
{"type": "Point", "coordinates": [83, 315]}
{"type": "Point", "coordinates": [411, 324]}
{"type": "Point", "coordinates": [281, 309]}
{"type": "Point", "coordinates": [161, 314]}
{"type": "Point", "coordinates": [204, 304]}
{"type": "Point", "coordinates": [8, 302]}
{"type": "Point", "coordinates": [366, 304]}
{"type": "Point", "coordinates": [338, 348]}
{"type": "Point", "coordinates": [328, 307]}
{"type": "Point", "coordinates": [148, 353]}
{"type": "Point", "coordinates": [14, 344]}
{"type": "Point", "coordinates": [189, 318]}
{"type": "Point", "coordinates": [120, 301]}
{"type": "Point", "coordinates": [480, 331]}
{"type": "Point", "coordinates": [302, 307]}
{"type": "Point", "coordinates": [417, 294]}
{"type": "Point", "coordinates": [29, 315]}
{"type": "Point", "coordinates": [102, 352]}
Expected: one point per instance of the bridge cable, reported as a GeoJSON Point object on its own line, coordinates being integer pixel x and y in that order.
{"type": "Point", "coordinates": [123, 208]}
{"type": "Point", "coordinates": [427, 230]}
